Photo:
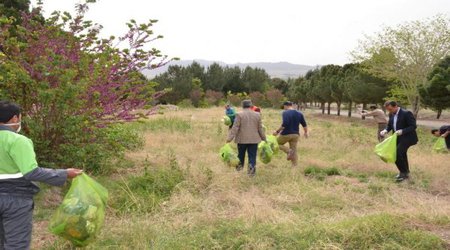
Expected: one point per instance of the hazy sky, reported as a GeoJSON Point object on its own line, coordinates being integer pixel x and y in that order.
{"type": "Point", "coordinates": [298, 31]}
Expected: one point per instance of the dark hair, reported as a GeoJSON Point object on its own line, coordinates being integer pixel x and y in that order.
{"type": "Point", "coordinates": [373, 107]}
{"type": "Point", "coordinates": [390, 103]}
{"type": "Point", "coordinates": [434, 131]}
{"type": "Point", "coordinates": [8, 110]}
{"type": "Point", "coordinates": [289, 104]}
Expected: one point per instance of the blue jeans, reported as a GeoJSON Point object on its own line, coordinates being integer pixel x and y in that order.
{"type": "Point", "coordinates": [252, 150]}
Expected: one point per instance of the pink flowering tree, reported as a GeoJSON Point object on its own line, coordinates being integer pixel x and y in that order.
{"type": "Point", "coordinates": [72, 83]}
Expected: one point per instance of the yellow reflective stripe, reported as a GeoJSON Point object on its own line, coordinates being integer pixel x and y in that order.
{"type": "Point", "coordinates": [10, 176]}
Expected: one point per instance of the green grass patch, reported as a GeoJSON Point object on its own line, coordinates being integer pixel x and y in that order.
{"type": "Point", "coordinates": [143, 193]}
{"type": "Point", "coordinates": [321, 173]}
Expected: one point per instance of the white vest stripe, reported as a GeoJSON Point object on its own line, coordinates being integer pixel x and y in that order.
{"type": "Point", "coordinates": [10, 176]}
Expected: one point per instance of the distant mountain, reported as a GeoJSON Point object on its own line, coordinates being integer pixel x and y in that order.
{"type": "Point", "coordinates": [282, 70]}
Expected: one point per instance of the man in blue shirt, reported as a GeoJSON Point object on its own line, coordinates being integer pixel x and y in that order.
{"type": "Point", "coordinates": [289, 132]}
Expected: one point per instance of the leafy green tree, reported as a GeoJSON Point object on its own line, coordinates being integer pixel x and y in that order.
{"type": "Point", "coordinates": [197, 71]}
{"type": "Point", "coordinates": [178, 81]}
{"type": "Point", "coordinates": [406, 54]}
{"type": "Point", "coordinates": [74, 86]}
{"type": "Point", "coordinates": [233, 80]}
{"type": "Point", "coordinates": [437, 94]}
{"type": "Point", "coordinates": [280, 84]}
{"type": "Point", "coordinates": [14, 8]}
{"type": "Point", "coordinates": [255, 79]}
{"type": "Point", "coordinates": [214, 78]}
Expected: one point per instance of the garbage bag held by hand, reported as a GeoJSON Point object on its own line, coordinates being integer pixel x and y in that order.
{"type": "Point", "coordinates": [387, 149]}
{"type": "Point", "coordinates": [227, 120]}
{"type": "Point", "coordinates": [228, 156]}
{"type": "Point", "coordinates": [82, 212]}
{"type": "Point", "coordinates": [265, 152]}
{"type": "Point", "coordinates": [272, 140]}
{"type": "Point", "coordinates": [440, 146]}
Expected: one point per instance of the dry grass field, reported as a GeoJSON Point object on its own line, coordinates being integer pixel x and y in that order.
{"type": "Point", "coordinates": [175, 193]}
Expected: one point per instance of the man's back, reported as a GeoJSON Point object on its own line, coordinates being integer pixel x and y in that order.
{"type": "Point", "coordinates": [378, 115]}
{"type": "Point", "coordinates": [247, 128]}
{"type": "Point", "coordinates": [292, 119]}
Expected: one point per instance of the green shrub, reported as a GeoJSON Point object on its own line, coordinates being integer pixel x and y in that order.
{"type": "Point", "coordinates": [100, 152]}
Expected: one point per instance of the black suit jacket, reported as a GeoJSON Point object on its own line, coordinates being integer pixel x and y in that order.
{"type": "Point", "coordinates": [407, 123]}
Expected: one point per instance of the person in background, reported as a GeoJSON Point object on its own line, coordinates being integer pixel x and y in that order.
{"type": "Point", "coordinates": [247, 132]}
{"type": "Point", "coordinates": [444, 132]}
{"type": "Point", "coordinates": [403, 123]}
{"type": "Point", "coordinates": [231, 113]}
{"type": "Point", "coordinates": [289, 132]}
{"type": "Point", "coordinates": [18, 172]}
{"type": "Point", "coordinates": [379, 117]}
{"type": "Point", "coordinates": [256, 109]}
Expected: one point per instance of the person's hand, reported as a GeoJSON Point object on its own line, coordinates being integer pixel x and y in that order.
{"type": "Point", "coordinates": [399, 132]}
{"type": "Point", "coordinates": [275, 133]}
{"type": "Point", "coordinates": [306, 135]}
{"type": "Point", "coordinates": [73, 172]}
{"type": "Point", "coordinates": [383, 133]}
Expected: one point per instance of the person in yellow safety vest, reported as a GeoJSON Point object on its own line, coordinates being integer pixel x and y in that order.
{"type": "Point", "coordinates": [18, 172]}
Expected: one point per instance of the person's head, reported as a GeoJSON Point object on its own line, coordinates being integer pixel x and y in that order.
{"type": "Point", "coordinates": [436, 132]}
{"type": "Point", "coordinates": [391, 106]}
{"type": "Point", "coordinates": [246, 104]}
{"type": "Point", "coordinates": [10, 115]}
{"type": "Point", "coordinates": [228, 106]}
{"type": "Point", "coordinates": [373, 107]}
{"type": "Point", "coordinates": [288, 105]}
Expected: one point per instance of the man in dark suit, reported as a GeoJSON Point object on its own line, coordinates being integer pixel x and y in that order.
{"type": "Point", "coordinates": [403, 123]}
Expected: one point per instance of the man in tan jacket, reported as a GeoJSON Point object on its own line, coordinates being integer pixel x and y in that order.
{"type": "Point", "coordinates": [247, 131]}
{"type": "Point", "coordinates": [379, 117]}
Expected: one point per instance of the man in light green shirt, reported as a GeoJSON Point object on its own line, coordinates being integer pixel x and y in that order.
{"type": "Point", "coordinates": [18, 172]}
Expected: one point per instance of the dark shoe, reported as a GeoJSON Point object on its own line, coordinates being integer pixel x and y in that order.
{"type": "Point", "coordinates": [239, 167]}
{"type": "Point", "coordinates": [402, 177]}
{"type": "Point", "coordinates": [251, 171]}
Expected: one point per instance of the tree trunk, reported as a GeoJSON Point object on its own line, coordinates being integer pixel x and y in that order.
{"type": "Point", "coordinates": [323, 108]}
{"type": "Point", "coordinates": [416, 106]}
{"type": "Point", "coordinates": [364, 107]}
{"type": "Point", "coordinates": [339, 109]}
{"type": "Point", "coordinates": [329, 108]}
{"type": "Point", "coordinates": [350, 109]}
{"type": "Point", "coordinates": [439, 113]}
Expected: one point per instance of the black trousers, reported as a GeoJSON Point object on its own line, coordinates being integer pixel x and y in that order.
{"type": "Point", "coordinates": [402, 156]}
{"type": "Point", "coordinates": [252, 150]}
{"type": "Point", "coordinates": [16, 222]}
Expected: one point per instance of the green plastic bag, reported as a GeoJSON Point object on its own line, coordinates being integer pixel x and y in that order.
{"type": "Point", "coordinates": [228, 156]}
{"type": "Point", "coordinates": [265, 152]}
{"type": "Point", "coordinates": [387, 149]}
{"type": "Point", "coordinates": [227, 121]}
{"type": "Point", "coordinates": [273, 141]}
{"type": "Point", "coordinates": [82, 212]}
{"type": "Point", "coordinates": [440, 146]}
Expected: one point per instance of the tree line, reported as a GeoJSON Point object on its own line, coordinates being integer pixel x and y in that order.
{"type": "Point", "coordinates": [408, 63]}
